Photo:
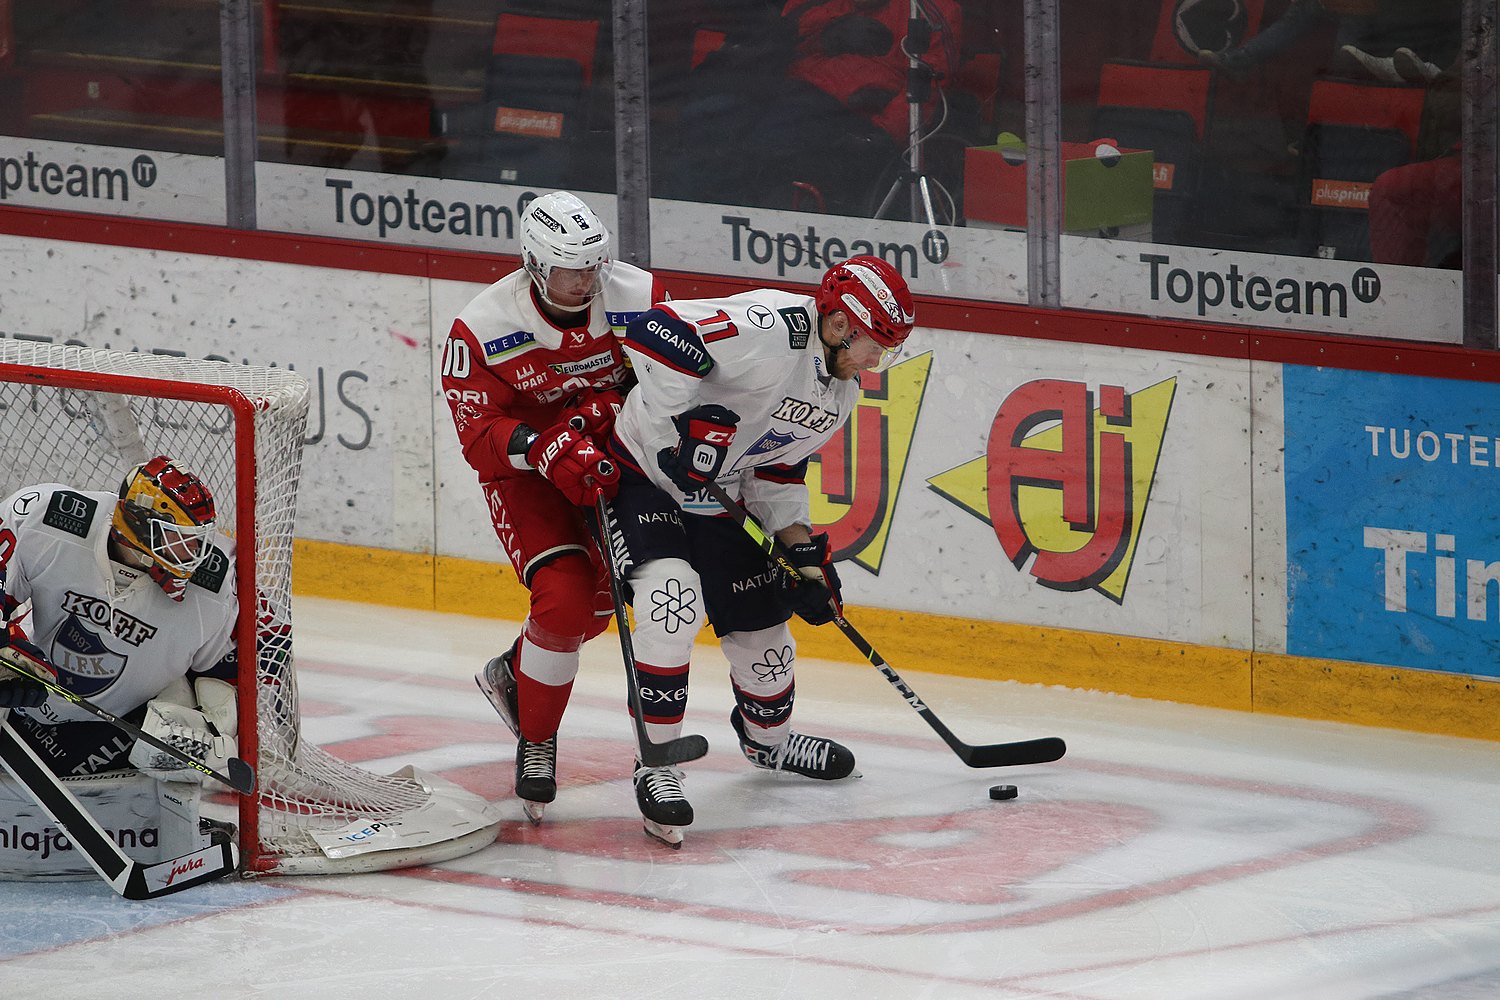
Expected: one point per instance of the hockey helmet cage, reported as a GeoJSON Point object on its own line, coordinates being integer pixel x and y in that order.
{"type": "Point", "coordinates": [559, 231]}
{"type": "Point", "coordinates": [876, 299]}
{"type": "Point", "coordinates": [167, 514]}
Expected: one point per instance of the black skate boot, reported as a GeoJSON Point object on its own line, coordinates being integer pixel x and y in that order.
{"type": "Point", "coordinates": [811, 756]}
{"type": "Point", "coordinates": [536, 775]}
{"type": "Point", "coordinates": [498, 682]}
{"type": "Point", "coordinates": [665, 810]}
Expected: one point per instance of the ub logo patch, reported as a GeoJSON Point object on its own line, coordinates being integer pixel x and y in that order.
{"type": "Point", "coordinates": [212, 572]}
{"type": "Point", "coordinates": [798, 327]}
{"type": "Point", "coordinates": [70, 512]}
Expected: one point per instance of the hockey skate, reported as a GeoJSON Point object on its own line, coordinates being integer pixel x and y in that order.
{"type": "Point", "coordinates": [498, 682]}
{"type": "Point", "coordinates": [810, 756]}
{"type": "Point", "coordinates": [664, 809]}
{"type": "Point", "coordinates": [536, 775]}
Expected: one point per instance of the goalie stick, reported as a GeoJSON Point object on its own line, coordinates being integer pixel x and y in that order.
{"type": "Point", "coordinates": [1038, 751]}
{"type": "Point", "coordinates": [241, 776]}
{"type": "Point", "coordinates": [126, 876]}
{"type": "Point", "coordinates": [681, 749]}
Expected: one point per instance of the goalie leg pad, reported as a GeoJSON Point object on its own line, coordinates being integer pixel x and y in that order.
{"type": "Point", "coordinates": [131, 806]}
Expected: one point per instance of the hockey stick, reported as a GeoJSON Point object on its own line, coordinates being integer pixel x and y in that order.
{"type": "Point", "coordinates": [241, 776]}
{"type": "Point", "coordinates": [128, 877]}
{"type": "Point", "coordinates": [681, 749]}
{"type": "Point", "coordinates": [1039, 751]}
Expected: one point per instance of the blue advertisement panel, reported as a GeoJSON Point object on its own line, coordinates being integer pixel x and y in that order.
{"type": "Point", "coordinates": [1393, 519]}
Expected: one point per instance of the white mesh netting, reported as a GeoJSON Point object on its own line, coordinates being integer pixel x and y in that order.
{"type": "Point", "coordinates": [87, 420]}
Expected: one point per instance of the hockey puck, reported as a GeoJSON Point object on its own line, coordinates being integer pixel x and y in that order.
{"type": "Point", "coordinates": [1003, 791]}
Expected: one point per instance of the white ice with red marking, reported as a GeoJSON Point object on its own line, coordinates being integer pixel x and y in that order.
{"type": "Point", "coordinates": [1174, 852]}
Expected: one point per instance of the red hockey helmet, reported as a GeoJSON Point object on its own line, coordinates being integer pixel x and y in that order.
{"type": "Point", "coordinates": [167, 514]}
{"type": "Point", "coordinates": [874, 296]}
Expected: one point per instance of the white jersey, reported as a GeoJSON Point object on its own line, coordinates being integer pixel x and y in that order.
{"type": "Point", "coordinates": [758, 354]}
{"type": "Point", "coordinates": [112, 633]}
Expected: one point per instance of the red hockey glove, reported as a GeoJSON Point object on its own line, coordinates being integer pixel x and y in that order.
{"type": "Point", "coordinates": [594, 412]}
{"type": "Point", "coordinates": [815, 593]}
{"type": "Point", "coordinates": [569, 460]}
{"type": "Point", "coordinates": [706, 432]}
{"type": "Point", "coordinates": [17, 691]}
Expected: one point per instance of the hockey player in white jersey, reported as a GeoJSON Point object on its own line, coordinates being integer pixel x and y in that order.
{"type": "Point", "coordinates": [130, 600]}
{"type": "Point", "coordinates": [741, 390]}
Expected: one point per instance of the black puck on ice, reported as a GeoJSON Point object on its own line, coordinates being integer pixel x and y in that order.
{"type": "Point", "coordinates": [1003, 791]}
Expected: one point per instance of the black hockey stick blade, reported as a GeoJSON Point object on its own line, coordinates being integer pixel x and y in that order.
{"type": "Point", "coordinates": [123, 874]}
{"type": "Point", "coordinates": [675, 751]}
{"type": "Point", "coordinates": [241, 776]}
{"type": "Point", "coordinates": [1038, 751]}
{"type": "Point", "coordinates": [177, 874]}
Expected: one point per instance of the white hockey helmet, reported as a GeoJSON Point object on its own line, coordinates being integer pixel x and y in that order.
{"type": "Point", "coordinates": [560, 233]}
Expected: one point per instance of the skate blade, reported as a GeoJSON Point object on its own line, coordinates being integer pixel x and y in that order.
{"type": "Point", "coordinates": [497, 700]}
{"type": "Point", "coordinates": [533, 811]}
{"type": "Point", "coordinates": [669, 835]}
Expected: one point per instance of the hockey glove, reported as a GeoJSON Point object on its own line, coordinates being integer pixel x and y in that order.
{"type": "Point", "coordinates": [569, 460]}
{"type": "Point", "coordinates": [815, 593]}
{"type": "Point", "coordinates": [594, 412]}
{"type": "Point", "coordinates": [706, 432]}
{"type": "Point", "coordinates": [188, 730]}
{"type": "Point", "coordinates": [17, 691]}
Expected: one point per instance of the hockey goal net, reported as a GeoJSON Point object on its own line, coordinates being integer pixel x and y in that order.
{"type": "Point", "coordinates": [83, 418]}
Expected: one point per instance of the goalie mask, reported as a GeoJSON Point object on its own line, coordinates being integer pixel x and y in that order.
{"type": "Point", "coordinates": [166, 515]}
{"type": "Point", "coordinates": [876, 299]}
{"type": "Point", "coordinates": [565, 249]}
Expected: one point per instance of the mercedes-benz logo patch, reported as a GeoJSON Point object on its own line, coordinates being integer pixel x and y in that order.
{"type": "Point", "coordinates": [760, 315]}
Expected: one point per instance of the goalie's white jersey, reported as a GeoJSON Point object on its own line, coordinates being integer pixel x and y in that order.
{"type": "Point", "coordinates": [757, 353]}
{"type": "Point", "coordinates": [114, 636]}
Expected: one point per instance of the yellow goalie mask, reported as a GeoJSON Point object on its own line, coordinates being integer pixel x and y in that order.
{"type": "Point", "coordinates": [167, 514]}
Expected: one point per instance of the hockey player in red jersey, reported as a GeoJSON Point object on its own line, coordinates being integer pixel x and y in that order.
{"type": "Point", "coordinates": [534, 375]}
{"type": "Point", "coordinates": [741, 391]}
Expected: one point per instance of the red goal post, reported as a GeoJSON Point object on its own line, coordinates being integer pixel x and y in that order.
{"type": "Point", "coordinates": [83, 417]}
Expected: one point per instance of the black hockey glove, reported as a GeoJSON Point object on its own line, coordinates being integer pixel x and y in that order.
{"type": "Point", "coordinates": [17, 691]}
{"type": "Point", "coordinates": [814, 593]}
{"type": "Point", "coordinates": [706, 432]}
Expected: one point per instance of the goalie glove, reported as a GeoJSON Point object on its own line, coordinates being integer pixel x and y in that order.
{"type": "Point", "coordinates": [814, 593]}
{"type": "Point", "coordinates": [704, 435]}
{"type": "Point", "coordinates": [17, 691]}
{"type": "Point", "coordinates": [190, 731]}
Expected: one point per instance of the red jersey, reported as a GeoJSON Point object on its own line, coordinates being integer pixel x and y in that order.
{"type": "Point", "coordinates": [506, 363]}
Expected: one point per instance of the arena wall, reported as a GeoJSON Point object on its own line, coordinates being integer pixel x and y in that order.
{"type": "Point", "coordinates": [1232, 517]}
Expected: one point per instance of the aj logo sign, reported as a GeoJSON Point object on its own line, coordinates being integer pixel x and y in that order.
{"type": "Point", "coordinates": [1066, 479]}
{"type": "Point", "coordinates": [854, 479]}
